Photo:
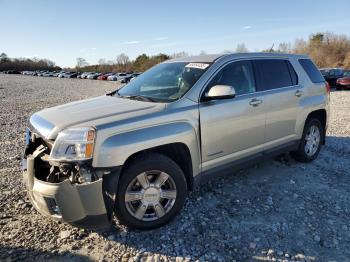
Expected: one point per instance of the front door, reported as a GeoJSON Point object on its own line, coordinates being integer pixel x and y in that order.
{"type": "Point", "coordinates": [232, 128]}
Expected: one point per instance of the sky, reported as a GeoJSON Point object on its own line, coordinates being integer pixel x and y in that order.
{"type": "Point", "coordinates": [64, 30]}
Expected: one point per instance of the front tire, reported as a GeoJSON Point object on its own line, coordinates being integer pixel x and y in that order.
{"type": "Point", "coordinates": [151, 192]}
{"type": "Point", "coordinates": [311, 141]}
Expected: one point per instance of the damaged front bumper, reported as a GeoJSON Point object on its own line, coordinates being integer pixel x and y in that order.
{"type": "Point", "coordinates": [87, 205]}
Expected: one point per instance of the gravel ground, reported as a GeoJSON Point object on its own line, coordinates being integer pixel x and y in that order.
{"type": "Point", "coordinates": [279, 210]}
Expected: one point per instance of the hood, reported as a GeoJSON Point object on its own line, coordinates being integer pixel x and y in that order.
{"type": "Point", "coordinates": [99, 110]}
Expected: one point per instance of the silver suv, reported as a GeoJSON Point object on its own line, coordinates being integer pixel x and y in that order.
{"type": "Point", "coordinates": [137, 151]}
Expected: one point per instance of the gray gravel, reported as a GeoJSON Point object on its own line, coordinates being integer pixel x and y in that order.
{"type": "Point", "coordinates": [279, 210]}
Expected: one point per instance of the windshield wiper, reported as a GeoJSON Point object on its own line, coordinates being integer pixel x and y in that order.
{"type": "Point", "coordinates": [141, 98]}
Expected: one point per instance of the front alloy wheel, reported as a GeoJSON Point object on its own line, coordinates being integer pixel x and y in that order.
{"type": "Point", "coordinates": [151, 191]}
{"type": "Point", "coordinates": [150, 195]}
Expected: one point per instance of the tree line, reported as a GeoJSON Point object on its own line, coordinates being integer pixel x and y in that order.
{"type": "Point", "coordinates": [325, 49]}
{"type": "Point", "coordinates": [22, 64]}
{"type": "Point", "coordinates": [123, 63]}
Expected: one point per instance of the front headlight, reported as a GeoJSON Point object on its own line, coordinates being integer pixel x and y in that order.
{"type": "Point", "coordinates": [74, 144]}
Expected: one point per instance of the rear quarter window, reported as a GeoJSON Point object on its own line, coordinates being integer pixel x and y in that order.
{"type": "Point", "coordinates": [311, 70]}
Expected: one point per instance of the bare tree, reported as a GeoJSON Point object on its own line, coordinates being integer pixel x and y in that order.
{"type": "Point", "coordinates": [102, 61]}
{"type": "Point", "coordinates": [241, 48]}
{"type": "Point", "coordinates": [81, 62]}
{"type": "Point", "coordinates": [180, 54]}
{"type": "Point", "coordinates": [122, 59]}
{"type": "Point", "coordinates": [284, 47]}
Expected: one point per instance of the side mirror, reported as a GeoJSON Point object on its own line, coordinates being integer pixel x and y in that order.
{"type": "Point", "coordinates": [220, 92]}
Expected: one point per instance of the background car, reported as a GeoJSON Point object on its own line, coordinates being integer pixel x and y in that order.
{"type": "Point", "coordinates": [93, 76]}
{"type": "Point", "coordinates": [61, 74]}
{"type": "Point", "coordinates": [48, 74]}
{"type": "Point", "coordinates": [113, 77]}
{"type": "Point", "coordinates": [344, 82]}
{"type": "Point", "coordinates": [84, 75]}
{"type": "Point", "coordinates": [13, 72]}
{"type": "Point", "coordinates": [129, 78]}
{"type": "Point", "coordinates": [70, 75]}
{"type": "Point", "coordinates": [332, 74]}
{"type": "Point", "coordinates": [104, 76]}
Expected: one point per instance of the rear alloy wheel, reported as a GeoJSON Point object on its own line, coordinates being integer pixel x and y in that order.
{"type": "Point", "coordinates": [151, 191]}
{"type": "Point", "coordinates": [311, 141]}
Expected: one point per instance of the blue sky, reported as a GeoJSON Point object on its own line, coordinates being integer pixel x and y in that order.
{"type": "Point", "coordinates": [64, 30]}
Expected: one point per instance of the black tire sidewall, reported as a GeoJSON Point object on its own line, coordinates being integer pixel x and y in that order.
{"type": "Point", "coordinates": [140, 165]}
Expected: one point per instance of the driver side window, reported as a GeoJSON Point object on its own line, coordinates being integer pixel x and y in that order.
{"type": "Point", "coordinates": [238, 75]}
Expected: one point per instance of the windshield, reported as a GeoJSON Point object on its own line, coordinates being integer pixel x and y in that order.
{"type": "Point", "coordinates": [165, 82]}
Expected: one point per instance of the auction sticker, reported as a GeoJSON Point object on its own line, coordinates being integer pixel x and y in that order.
{"type": "Point", "coordinates": [197, 65]}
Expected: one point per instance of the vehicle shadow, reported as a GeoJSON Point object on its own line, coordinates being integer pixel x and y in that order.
{"type": "Point", "coordinates": [8, 253]}
{"type": "Point", "coordinates": [269, 206]}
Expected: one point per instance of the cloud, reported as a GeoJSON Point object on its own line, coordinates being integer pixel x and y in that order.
{"type": "Point", "coordinates": [247, 27]}
{"type": "Point", "coordinates": [131, 42]}
{"type": "Point", "coordinates": [168, 44]}
{"type": "Point", "coordinates": [84, 50]}
{"type": "Point", "coordinates": [161, 38]}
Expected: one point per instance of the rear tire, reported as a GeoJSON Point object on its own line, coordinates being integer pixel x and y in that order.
{"type": "Point", "coordinates": [151, 192]}
{"type": "Point", "coordinates": [311, 141]}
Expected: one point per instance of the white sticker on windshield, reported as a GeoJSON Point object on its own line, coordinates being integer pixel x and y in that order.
{"type": "Point", "coordinates": [197, 65]}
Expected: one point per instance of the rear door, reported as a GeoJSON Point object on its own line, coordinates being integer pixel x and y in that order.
{"type": "Point", "coordinates": [279, 82]}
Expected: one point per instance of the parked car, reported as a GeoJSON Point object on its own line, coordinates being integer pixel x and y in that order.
{"type": "Point", "coordinates": [130, 77]}
{"type": "Point", "coordinates": [138, 150]}
{"type": "Point", "coordinates": [70, 75]}
{"type": "Point", "coordinates": [48, 74]}
{"type": "Point", "coordinates": [104, 76]}
{"type": "Point", "coordinates": [122, 76]}
{"type": "Point", "coordinates": [344, 82]}
{"type": "Point", "coordinates": [61, 74]}
{"type": "Point", "coordinates": [85, 74]}
{"type": "Point", "coordinates": [14, 72]}
{"type": "Point", "coordinates": [332, 74]}
{"type": "Point", "coordinates": [93, 76]}
{"type": "Point", "coordinates": [113, 77]}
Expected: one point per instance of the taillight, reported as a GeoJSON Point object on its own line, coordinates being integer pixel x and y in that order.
{"type": "Point", "coordinates": [328, 87]}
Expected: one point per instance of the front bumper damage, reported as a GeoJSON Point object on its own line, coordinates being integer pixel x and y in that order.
{"type": "Point", "coordinates": [88, 205]}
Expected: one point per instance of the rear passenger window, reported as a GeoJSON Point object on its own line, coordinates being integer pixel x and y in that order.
{"type": "Point", "coordinates": [311, 70]}
{"type": "Point", "coordinates": [274, 73]}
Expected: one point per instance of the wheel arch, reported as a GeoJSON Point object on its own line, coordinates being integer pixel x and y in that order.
{"type": "Point", "coordinates": [178, 152]}
{"type": "Point", "coordinates": [321, 115]}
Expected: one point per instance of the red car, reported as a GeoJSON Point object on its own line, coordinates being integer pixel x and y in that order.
{"type": "Point", "coordinates": [104, 76]}
{"type": "Point", "coordinates": [344, 82]}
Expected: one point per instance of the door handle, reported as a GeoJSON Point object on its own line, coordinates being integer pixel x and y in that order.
{"type": "Point", "coordinates": [255, 102]}
{"type": "Point", "coordinates": [299, 93]}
